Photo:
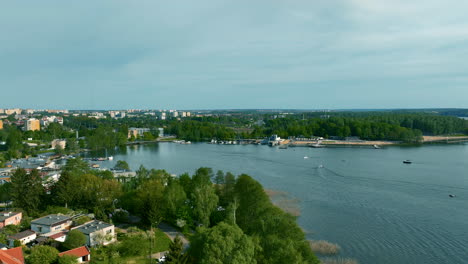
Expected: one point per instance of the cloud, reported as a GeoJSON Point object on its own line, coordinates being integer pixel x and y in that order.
{"type": "Point", "coordinates": [157, 54]}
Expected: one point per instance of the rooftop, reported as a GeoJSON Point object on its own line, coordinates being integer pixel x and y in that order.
{"type": "Point", "coordinates": [92, 227]}
{"type": "Point", "coordinates": [77, 252]}
{"type": "Point", "coordinates": [50, 220]}
{"type": "Point", "coordinates": [12, 256]}
{"type": "Point", "coordinates": [22, 235]}
{"type": "Point", "coordinates": [5, 215]}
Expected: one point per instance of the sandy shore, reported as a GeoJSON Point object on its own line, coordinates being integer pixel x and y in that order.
{"type": "Point", "coordinates": [343, 142]}
{"type": "Point", "coordinates": [426, 139]}
{"type": "Point", "coordinates": [444, 138]}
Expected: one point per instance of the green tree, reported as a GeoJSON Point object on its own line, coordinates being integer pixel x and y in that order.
{"type": "Point", "coordinates": [43, 255]}
{"type": "Point", "coordinates": [174, 198]}
{"type": "Point", "coordinates": [27, 190]}
{"type": "Point", "coordinates": [223, 243]}
{"type": "Point", "coordinates": [74, 239]}
{"type": "Point", "coordinates": [67, 259]}
{"type": "Point", "coordinates": [204, 201]}
{"type": "Point", "coordinates": [64, 192]}
{"type": "Point", "coordinates": [72, 145]}
{"type": "Point", "coordinates": [122, 165]}
{"type": "Point", "coordinates": [175, 254]}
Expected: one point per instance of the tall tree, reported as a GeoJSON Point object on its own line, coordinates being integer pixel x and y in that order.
{"type": "Point", "coordinates": [27, 190]}
{"type": "Point", "coordinates": [175, 254]}
{"type": "Point", "coordinates": [74, 239]}
{"type": "Point", "coordinates": [204, 201]}
{"type": "Point", "coordinates": [43, 255]}
{"type": "Point", "coordinates": [223, 243]}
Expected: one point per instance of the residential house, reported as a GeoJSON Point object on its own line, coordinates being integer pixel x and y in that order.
{"type": "Point", "coordinates": [12, 256]}
{"type": "Point", "coordinates": [82, 254]}
{"type": "Point", "coordinates": [10, 218]}
{"type": "Point", "coordinates": [51, 223]}
{"type": "Point", "coordinates": [24, 238]}
{"type": "Point", "coordinates": [97, 233]}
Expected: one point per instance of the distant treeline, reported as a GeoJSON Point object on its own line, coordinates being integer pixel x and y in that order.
{"type": "Point", "coordinates": [370, 126]}
{"type": "Point", "coordinates": [406, 127]}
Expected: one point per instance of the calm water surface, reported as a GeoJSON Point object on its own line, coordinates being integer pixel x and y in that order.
{"type": "Point", "coordinates": [376, 208]}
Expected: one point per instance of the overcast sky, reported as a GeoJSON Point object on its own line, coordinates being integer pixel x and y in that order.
{"type": "Point", "coordinates": [233, 54]}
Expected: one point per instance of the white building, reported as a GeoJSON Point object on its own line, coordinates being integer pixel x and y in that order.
{"type": "Point", "coordinates": [24, 238]}
{"type": "Point", "coordinates": [51, 223]}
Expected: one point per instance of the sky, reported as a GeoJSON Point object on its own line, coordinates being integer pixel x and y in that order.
{"type": "Point", "coordinates": [216, 54]}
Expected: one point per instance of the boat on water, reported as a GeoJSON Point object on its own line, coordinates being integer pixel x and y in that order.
{"type": "Point", "coordinates": [376, 146]}
{"type": "Point", "coordinates": [317, 145]}
{"type": "Point", "coordinates": [305, 157]}
{"type": "Point", "coordinates": [407, 162]}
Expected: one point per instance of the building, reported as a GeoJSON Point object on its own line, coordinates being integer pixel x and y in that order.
{"type": "Point", "coordinates": [97, 233]}
{"type": "Point", "coordinates": [62, 143]}
{"type": "Point", "coordinates": [51, 223]}
{"type": "Point", "coordinates": [82, 254]}
{"type": "Point", "coordinates": [13, 111]}
{"type": "Point", "coordinates": [1, 124]}
{"type": "Point", "coordinates": [162, 115]}
{"type": "Point", "coordinates": [10, 218]}
{"type": "Point", "coordinates": [24, 238]}
{"type": "Point", "coordinates": [160, 132]}
{"type": "Point", "coordinates": [137, 132]}
{"type": "Point", "coordinates": [12, 256]}
{"type": "Point", "coordinates": [175, 114]}
{"type": "Point", "coordinates": [32, 125]}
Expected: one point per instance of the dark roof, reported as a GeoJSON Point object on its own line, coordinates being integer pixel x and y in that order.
{"type": "Point", "coordinates": [50, 220]}
{"type": "Point", "coordinates": [92, 227]}
{"type": "Point", "coordinates": [22, 235]}
{"type": "Point", "coordinates": [5, 215]}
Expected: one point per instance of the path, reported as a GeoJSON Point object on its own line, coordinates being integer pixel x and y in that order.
{"type": "Point", "coordinates": [172, 233]}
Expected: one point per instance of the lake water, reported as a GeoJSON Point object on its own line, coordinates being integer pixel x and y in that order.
{"type": "Point", "coordinates": [376, 208]}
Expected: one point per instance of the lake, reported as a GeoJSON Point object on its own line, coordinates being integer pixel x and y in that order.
{"type": "Point", "coordinates": [376, 208]}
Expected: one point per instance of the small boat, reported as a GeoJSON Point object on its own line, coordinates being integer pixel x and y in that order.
{"type": "Point", "coordinates": [305, 157]}
{"type": "Point", "coordinates": [452, 195]}
{"type": "Point", "coordinates": [320, 166]}
{"type": "Point", "coordinates": [110, 158]}
{"type": "Point", "coordinates": [407, 162]}
{"type": "Point", "coordinates": [376, 147]}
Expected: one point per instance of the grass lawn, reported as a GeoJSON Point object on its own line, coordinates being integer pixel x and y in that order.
{"type": "Point", "coordinates": [138, 256]}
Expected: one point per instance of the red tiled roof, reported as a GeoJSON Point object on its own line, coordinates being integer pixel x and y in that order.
{"type": "Point", "coordinates": [55, 236]}
{"type": "Point", "coordinates": [12, 256]}
{"type": "Point", "coordinates": [77, 252]}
